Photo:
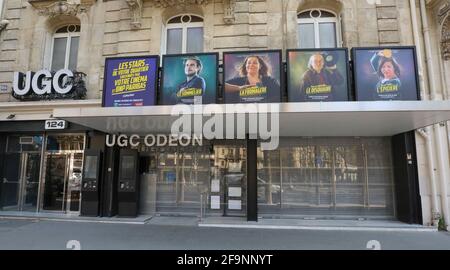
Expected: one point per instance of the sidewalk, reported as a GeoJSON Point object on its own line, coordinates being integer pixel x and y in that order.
{"type": "Point", "coordinates": [307, 224]}
{"type": "Point", "coordinates": [231, 222]}
{"type": "Point", "coordinates": [141, 219]}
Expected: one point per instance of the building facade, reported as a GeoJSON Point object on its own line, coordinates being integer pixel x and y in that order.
{"type": "Point", "coordinates": [322, 176]}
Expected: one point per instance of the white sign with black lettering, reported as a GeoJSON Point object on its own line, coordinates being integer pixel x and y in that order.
{"type": "Point", "coordinates": [55, 124]}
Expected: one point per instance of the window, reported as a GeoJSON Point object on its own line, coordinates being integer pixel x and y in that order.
{"type": "Point", "coordinates": [318, 29]}
{"type": "Point", "coordinates": [184, 35]}
{"type": "Point", "coordinates": [65, 47]}
{"type": "Point", "coordinates": [1, 8]}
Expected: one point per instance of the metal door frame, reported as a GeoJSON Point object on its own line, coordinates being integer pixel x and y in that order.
{"type": "Point", "coordinates": [234, 144]}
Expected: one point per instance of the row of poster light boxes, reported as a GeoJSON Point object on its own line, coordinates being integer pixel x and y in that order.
{"type": "Point", "coordinates": [313, 75]}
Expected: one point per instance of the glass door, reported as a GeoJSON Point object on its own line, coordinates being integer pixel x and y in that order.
{"type": "Point", "coordinates": [55, 175]}
{"type": "Point", "coordinates": [29, 181]}
{"type": "Point", "coordinates": [62, 187]}
{"type": "Point", "coordinates": [21, 182]}
{"type": "Point", "coordinates": [230, 166]}
{"type": "Point", "coordinates": [11, 182]}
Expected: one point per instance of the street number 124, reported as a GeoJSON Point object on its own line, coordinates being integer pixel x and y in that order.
{"type": "Point", "coordinates": [55, 124]}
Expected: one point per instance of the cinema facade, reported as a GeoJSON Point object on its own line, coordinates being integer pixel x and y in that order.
{"type": "Point", "coordinates": [77, 137]}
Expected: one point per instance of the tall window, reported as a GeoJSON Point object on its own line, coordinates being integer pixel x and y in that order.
{"type": "Point", "coordinates": [318, 29]}
{"type": "Point", "coordinates": [65, 47]}
{"type": "Point", "coordinates": [1, 8]}
{"type": "Point", "coordinates": [184, 34]}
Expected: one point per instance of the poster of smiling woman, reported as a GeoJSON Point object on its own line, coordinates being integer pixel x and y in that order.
{"type": "Point", "coordinates": [252, 76]}
{"type": "Point", "coordinates": [385, 73]}
{"type": "Point", "coordinates": [187, 76]}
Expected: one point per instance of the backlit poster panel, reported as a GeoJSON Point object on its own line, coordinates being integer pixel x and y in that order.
{"type": "Point", "coordinates": [317, 75]}
{"type": "Point", "coordinates": [252, 77]}
{"type": "Point", "coordinates": [187, 76]}
{"type": "Point", "coordinates": [130, 81]}
{"type": "Point", "coordinates": [387, 73]}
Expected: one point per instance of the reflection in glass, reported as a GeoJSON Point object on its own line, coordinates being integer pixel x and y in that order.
{"type": "Point", "coordinates": [31, 182]}
{"type": "Point", "coordinates": [194, 40]}
{"type": "Point", "coordinates": [324, 176]}
{"type": "Point", "coordinates": [306, 35]}
{"type": "Point", "coordinates": [20, 180]}
{"type": "Point", "coordinates": [55, 176]}
{"type": "Point", "coordinates": [127, 167]}
{"type": "Point", "coordinates": [11, 182]}
{"type": "Point", "coordinates": [174, 41]}
{"type": "Point", "coordinates": [327, 35]}
{"type": "Point", "coordinates": [59, 53]}
{"type": "Point", "coordinates": [73, 57]}
{"type": "Point", "coordinates": [182, 175]}
{"type": "Point", "coordinates": [63, 165]}
{"type": "Point", "coordinates": [90, 168]}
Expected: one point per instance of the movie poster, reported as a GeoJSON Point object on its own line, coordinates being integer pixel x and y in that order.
{"type": "Point", "coordinates": [188, 76]}
{"type": "Point", "coordinates": [317, 75]}
{"type": "Point", "coordinates": [385, 73]}
{"type": "Point", "coordinates": [252, 77]}
{"type": "Point", "coordinates": [130, 81]}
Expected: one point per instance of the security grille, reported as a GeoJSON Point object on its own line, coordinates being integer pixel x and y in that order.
{"type": "Point", "coordinates": [327, 178]}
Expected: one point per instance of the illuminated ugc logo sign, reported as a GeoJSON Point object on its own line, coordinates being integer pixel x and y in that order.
{"type": "Point", "coordinates": [42, 82]}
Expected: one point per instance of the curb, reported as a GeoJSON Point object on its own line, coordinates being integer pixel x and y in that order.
{"type": "Point", "coordinates": [323, 228]}
{"type": "Point", "coordinates": [36, 219]}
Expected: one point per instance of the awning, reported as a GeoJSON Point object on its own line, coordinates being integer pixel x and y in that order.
{"type": "Point", "coordinates": [374, 118]}
{"type": "Point", "coordinates": [39, 110]}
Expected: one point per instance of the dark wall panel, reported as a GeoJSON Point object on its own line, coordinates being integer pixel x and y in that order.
{"type": "Point", "coordinates": [252, 188]}
{"type": "Point", "coordinates": [407, 192]}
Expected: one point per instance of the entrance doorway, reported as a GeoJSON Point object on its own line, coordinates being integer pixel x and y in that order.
{"type": "Point", "coordinates": [62, 187]}
{"type": "Point", "coordinates": [63, 164]}
{"type": "Point", "coordinates": [229, 183]}
{"type": "Point", "coordinates": [21, 182]}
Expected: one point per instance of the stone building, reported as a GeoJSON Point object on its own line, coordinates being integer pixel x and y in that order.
{"type": "Point", "coordinates": [80, 34]}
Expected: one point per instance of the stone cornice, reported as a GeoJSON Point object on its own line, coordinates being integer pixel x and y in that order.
{"type": "Point", "coordinates": [136, 7]}
{"type": "Point", "coordinates": [171, 3]}
{"type": "Point", "coordinates": [52, 8]}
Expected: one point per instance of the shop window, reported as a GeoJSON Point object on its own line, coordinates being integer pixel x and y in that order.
{"type": "Point", "coordinates": [324, 177]}
{"type": "Point", "coordinates": [65, 142]}
{"type": "Point", "coordinates": [17, 144]}
{"type": "Point", "coordinates": [65, 47]}
{"type": "Point", "coordinates": [184, 34]}
{"type": "Point", "coordinates": [318, 29]}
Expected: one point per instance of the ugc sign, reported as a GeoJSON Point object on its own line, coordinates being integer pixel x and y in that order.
{"type": "Point", "coordinates": [48, 85]}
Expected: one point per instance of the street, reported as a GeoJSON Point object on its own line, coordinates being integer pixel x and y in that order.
{"type": "Point", "coordinates": [184, 234]}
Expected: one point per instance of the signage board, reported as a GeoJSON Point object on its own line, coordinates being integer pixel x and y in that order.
{"type": "Point", "coordinates": [316, 75]}
{"type": "Point", "coordinates": [130, 81]}
{"type": "Point", "coordinates": [386, 73]}
{"type": "Point", "coordinates": [187, 76]}
{"type": "Point", "coordinates": [252, 77]}
{"type": "Point", "coordinates": [55, 124]}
